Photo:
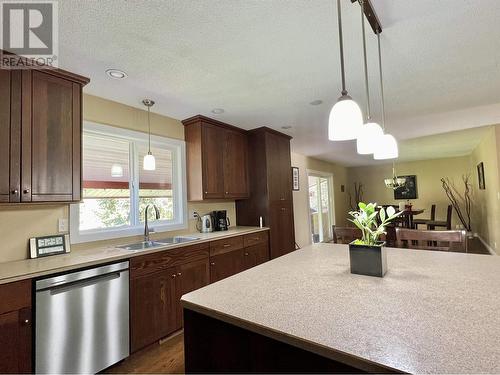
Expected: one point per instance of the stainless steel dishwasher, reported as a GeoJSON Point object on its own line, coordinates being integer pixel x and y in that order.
{"type": "Point", "coordinates": [82, 320]}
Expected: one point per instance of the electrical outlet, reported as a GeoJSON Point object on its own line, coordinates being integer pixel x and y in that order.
{"type": "Point", "coordinates": [63, 225]}
{"type": "Point", "coordinates": [191, 214]}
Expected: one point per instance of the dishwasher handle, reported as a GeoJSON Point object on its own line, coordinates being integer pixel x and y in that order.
{"type": "Point", "coordinates": [80, 276]}
{"type": "Point", "coordinates": [81, 283]}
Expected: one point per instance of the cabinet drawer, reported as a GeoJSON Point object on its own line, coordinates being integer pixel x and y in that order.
{"type": "Point", "coordinates": [146, 264]}
{"type": "Point", "coordinates": [255, 238]}
{"type": "Point", "coordinates": [15, 296]}
{"type": "Point", "coordinates": [226, 245]}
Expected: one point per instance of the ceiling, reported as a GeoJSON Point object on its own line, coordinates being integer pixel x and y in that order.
{"type": "Point", "coordinates": [263, 62]}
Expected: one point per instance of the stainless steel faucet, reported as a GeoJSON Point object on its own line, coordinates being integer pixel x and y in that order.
{"type": "Point", "coordinates": [146, 226]}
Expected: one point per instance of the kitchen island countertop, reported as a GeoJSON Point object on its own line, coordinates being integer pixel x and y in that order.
{"type": "Point", "coordinates": [433, 312]}
{"type": "Point", "coordinates": [100, 254]}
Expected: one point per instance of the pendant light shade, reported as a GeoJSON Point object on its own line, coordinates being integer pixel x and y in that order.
{"type": "Point", "coordinates": [345, 120]}
{"type": "Point", "coordinates": [387, 148]}
{"type": "Point", "coordinates": [149, 163]}
{"type": "Point", "coordinates": [369, 138]}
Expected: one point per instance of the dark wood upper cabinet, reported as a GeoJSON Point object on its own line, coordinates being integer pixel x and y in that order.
{"type": "Point", "coordinates": [10, 135]}
{"type": "Point", "coordinates": [217, 160]}
{"type": "Point", "coordinates": [270, 189]}
{"type": "Point", "coordinates": [40, 135]}
{"type": "Point", "coordinates": [15, 327]}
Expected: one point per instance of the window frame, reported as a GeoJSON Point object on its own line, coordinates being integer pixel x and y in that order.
{"type": "Point", "coordinates": [179, 186]}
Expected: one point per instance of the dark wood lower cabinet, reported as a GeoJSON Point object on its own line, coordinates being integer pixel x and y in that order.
{"type": "Point", "coordinates": [15, 327]}
{"type": "Point", "coordinates": [159, 280]}
{"type": "Point", "coordinates": [255, 255]}
{"type": "Point", "coordinates": [157, 283]}
{"type": "Point", "coordinates": [225, 265]}
{"type": "Point", "coordinates": [153, 311]}
{"type": "Point", "coordinates": [213, 346]}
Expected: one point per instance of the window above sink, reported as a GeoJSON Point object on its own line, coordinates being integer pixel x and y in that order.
{"type": "Point", "coordinates": [116, 188]}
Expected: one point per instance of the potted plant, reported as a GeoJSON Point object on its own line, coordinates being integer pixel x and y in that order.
{"type": "Point", "coordinates": [367, 254]}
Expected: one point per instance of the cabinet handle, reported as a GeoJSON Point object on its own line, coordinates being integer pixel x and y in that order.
{"type": "Point", "coordinates": [26, 191]}
{"type": "Point", "coordinates": [227, 245]}
{"type": "Point", "coordinates": [212, 263]}
{"type": "Point", "coordinates": [206, 192]}
{"type": "Point", "coordinates": [283, 209]}
{"type": "Point", "coordinates": [174, 276]}
{"type": "Point", "coordinates": [227, 192]}
{"type": "Point", "coordinates": [26, 321]}
{"type": "Point", "coordinates": [14, 192]}
{"type": "Point", "coordinates": [255, 238]}
{"type": "Point", "coordinates": [282, 199]}
{"type": "Point", "coordinates": [246, 254]}
{"type": "Point", "coordinates": [179, 273]}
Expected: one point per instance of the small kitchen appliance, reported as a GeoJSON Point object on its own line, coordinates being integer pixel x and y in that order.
{"type": "Point", "coordinates": [205, 223]}
{"type": "Point", "coordinates": [221, 221]}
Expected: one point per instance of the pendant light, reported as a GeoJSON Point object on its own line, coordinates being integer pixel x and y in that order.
{"type": "Point", "coordinates": [387, 147]}
{"type": "Point", "coordinates": [395, 182]}
{"type": "Point", "coordinates": [345, 118]}
{"type": "Point", "coordinates": [371, 131]}
{"type": "Point", "coordinates": [149, 163]}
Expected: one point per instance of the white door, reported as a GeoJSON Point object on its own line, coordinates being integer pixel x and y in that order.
{"type": "Point", "coordinates": [320, 207]}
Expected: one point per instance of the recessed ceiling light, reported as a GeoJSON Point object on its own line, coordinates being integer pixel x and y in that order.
{"type": "Point", "coordinates": [316, 102]}
{"type": "Point", "coordinates": [286, 127]}
{"type": "Point", "coordinates": [116, 74]}
{"type": "Point", "coordinates": [217, 111]}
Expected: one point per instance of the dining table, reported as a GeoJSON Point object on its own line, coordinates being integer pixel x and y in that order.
{"type": "Point", "coordinates": [408, 214]}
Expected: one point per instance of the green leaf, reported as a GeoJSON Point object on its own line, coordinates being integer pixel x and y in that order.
{"type": "Point", "coordinates": [390, 211]}
{"type": "Point", "coordinates": [382, 214]}
{"type": "Point", "coordinates": [362, 206]}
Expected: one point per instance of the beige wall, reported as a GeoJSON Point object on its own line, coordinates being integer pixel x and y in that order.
{"type": "Point", "coordinates": [301, 197]}
{"type": "Point", "coordinates": [18, 223]}
{"type": "Point", "coordinates": [487, 202]}
{"type": "Point", "coordinates": [429, 174]}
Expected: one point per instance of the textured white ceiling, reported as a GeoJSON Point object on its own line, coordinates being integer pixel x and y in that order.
{"type": "Point", "coordinates": [264, 61]}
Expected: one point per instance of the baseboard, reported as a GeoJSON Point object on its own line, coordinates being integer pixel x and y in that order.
{"type": "Point", "coordinates": [486, 245]}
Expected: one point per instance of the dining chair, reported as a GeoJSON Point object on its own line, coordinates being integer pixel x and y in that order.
{"type": "Point", "coordinates": [440, 240]}
{"type": "Point", "coordinates": [432, 224]}
{"type": "Point", "coordinates": [416, 222]}
{"type": "Point", "coordinates": [345, 235]}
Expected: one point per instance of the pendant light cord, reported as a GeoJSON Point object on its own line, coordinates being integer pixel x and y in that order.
{"type": "Point", "coordinates": [149, 130]}
{"type": "Point", "coordinates": [381, 80]}
{"type": "Point", "coordinates": [341, 44]}
{"type": "Point", "coordinates": [368, 111]}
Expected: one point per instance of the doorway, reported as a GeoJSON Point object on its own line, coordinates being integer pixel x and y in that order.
{"type": "Point", "coordinates": [321, 216]}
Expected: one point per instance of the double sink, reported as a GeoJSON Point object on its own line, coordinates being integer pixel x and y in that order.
{"type": "Point", "coordinates": [158, 243]}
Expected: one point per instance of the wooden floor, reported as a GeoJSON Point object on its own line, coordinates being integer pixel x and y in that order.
{"type": "Point", "coordinates": [165, 358]}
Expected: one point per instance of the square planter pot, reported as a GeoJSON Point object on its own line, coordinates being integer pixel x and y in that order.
{"type": "Point", "coordinates": [368, 260]}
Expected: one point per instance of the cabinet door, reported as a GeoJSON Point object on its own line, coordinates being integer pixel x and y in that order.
{"type": "Point", "coordinates": [279, 173]}
{"type": "Point", "coordinates": [213, 162]}
{"type": "Point", "coordinates": [15, 341]}
{"type": "Point", "coordinates": [282, 236]}
{"type": "Point", "coordinates": [190, 276]}
{"type": "Point", "coordinates": [51, 138]}
{"type": "Point", "coordinates": [255, 255]}
{"type": "Point", "coordinates": [235, 165]}
{"type": "Point", "coordinates": [10, 135]}
{"type": "Point", "coordinates": [225, 265]}
{"type": "Point", "coordinates": [152, 307]}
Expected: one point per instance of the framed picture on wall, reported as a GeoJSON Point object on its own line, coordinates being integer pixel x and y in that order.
{"type": "Point", "coordinates": [480, 176]}
{"type": "Point", "coordinates": [295, 179]}
{"type": "Point", "coordinates": [409, 190]}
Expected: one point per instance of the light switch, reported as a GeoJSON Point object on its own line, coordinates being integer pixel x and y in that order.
{"type": "Point", "coordinates": [63, 225]}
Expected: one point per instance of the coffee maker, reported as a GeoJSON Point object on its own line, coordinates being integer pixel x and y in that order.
{"type": "Point", "coordinates": [221, 221]}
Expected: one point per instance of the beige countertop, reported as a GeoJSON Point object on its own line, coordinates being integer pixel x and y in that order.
{"type": "Point", "coordinates": [30, 268]}
{"type": "Point", "coordinates": [433, 312]}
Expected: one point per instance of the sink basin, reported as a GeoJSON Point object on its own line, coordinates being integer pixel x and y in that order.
{"type": "Point", "coordinates": [176, 239]}
{"type": "Point", "coordinates": [141, 245]}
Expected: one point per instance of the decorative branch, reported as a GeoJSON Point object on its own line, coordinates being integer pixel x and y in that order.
{"type": "Point", "coordinates": [358, 196]}
{"type": "Point", "coordinates": [462, 203]}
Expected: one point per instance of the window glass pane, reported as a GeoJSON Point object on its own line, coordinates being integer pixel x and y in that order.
{"type": "Point", "coordinates": [155, 187]}
{"type": "Point", "coordinates": [106, 175]}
